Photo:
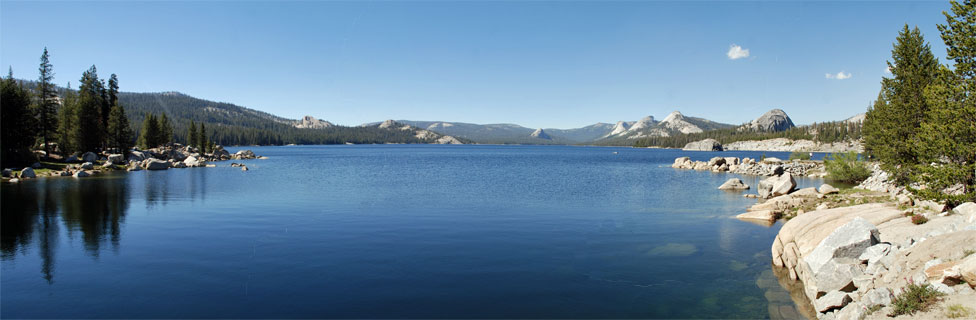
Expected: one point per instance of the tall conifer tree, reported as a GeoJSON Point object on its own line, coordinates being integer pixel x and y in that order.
{"type": "Point", "coordinates": [191, 135]}
{"type": "Point", "coordinates": [914, 68]}
{"type": "Point", "coordinates": [119, 131]}
{"type": "Point", "coordinates": [165, 130]}
{"type": "Point", "coordinates": [47, 105]}
{"type": "Point", "coordinates": [149, 134]}
{"type": "Point", "coordinates": [947, 146]}
{"type": "Point", "coordinates": [67, 118]}
{"type": "Point", "coordinates": [89, 131]}
{"type": "Point", "coordinates": [17, 127]}
{"type": "Point", "coordinates": [202, 138]}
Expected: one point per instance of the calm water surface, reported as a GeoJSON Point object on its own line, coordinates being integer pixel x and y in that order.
{"type": "Point", "coordinates": [392, 232]}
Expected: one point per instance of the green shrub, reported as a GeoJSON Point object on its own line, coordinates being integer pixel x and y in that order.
{"type": "Point", "coordinates": [799, 155]}
{"type": "Point", "coordinates": [914, 298]}
{"type": "Point", "coordinates": [845, 167]}
{"type": "Point", "coordinates": [919, 219]}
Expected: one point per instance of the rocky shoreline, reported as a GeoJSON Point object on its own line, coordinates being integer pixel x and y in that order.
{"type": "Point", "coordinates": [784, 144]}
{"type": "Point", "coordinates": [764, 167]}
{"type": "Point", "coordinates": [87, 164]}
{"type": "Point", "coordinates": [852, 253]}
{"type": "Point", "coordinates": [777, 144]}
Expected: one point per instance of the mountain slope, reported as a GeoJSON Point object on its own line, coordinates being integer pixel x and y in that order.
{"type": "Point", "coordinates": [540, 134]}
{"type": "Point", "coordinates": [774, 124]}
{"type": "Point", "coordinates": [675, 123]}
{"type": "Point", "coordinates": [230, 124]}
{"type": "Point", "coordinates": [424, 135]}
{"type": "Point", "coordinates": [771, 121]}
{"type": "Point", "coordinates": [584, 134]}
{"type": "Point", "coordinates": [309, 122]}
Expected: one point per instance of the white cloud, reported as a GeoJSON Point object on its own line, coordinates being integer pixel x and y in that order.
{"type": "Point", "coordinates": [839, 76]}
{"type": "Point", "coordinates": [736, 52]}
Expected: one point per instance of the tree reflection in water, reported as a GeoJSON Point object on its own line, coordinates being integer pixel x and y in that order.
{"type": "Point", "coordinates": [33, 211]}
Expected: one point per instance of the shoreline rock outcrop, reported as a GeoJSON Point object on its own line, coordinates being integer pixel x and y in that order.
{"type": "Point", "coordinates": [734, 184]}
{"type": "Point", "coordinates": [703, 145]}
{"type": "Point", "coordinates": [749, 166]}
{"type": "Point", "coordinates": [869, 252]}
{"type": "Point", "coordinates": [162, 158]}
{"type": "Point", "coordinates": [788, 145]}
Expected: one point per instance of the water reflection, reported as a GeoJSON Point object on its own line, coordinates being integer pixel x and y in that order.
{"type": "Point", "coordinates": [157, 188]}
{"type": "Point", "coordinates": [788, 301]}
{"type": "Point", "coordinates": [33, 211]}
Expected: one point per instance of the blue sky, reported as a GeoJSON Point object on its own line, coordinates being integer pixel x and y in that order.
{"type": "Point", "coordinates": [538, 64]}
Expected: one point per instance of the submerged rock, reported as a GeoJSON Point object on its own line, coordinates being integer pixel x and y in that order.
{"type": "Point", "coordinates": [674, 250]}
{"type": "Point", "coordinates": [762, 215]}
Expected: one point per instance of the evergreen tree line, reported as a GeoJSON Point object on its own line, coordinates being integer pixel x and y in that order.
{"type": "Point", "coordinates": [826, 132]}
{"type": "Point", "coordinates": [89, 119]}
{"type": "Point", "coordinates": [229, 124]}
{"type": "Point", "coordinates": [37, 114]}
{"type": "Point", "coordinates": [922, 127]}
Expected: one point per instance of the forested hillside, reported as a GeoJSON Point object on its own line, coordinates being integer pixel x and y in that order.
{"type": "Point", "coordinates": [235, 125]}
{"type": "Point", "coordinates": [230, 124]}
{"type": "Point", "coordinates": [826, 132]}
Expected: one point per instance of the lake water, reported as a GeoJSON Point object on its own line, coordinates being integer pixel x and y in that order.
{"type": "Point", "coordinates": [393, 231]}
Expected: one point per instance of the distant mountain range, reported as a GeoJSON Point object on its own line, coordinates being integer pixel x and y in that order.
{"type": "Point", "coordinates": [233, 124]}
{"type": "Point", "coordinates": [621, 133]}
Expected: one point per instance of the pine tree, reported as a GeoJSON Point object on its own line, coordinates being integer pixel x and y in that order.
{"type": "Point", "coordinates": [891, 128]}
{"type": "Point", "coordinates": [150, 134]}
{"type": "Point", "coordinates": [113, 90]}
{"type": "Point", "coordinates": [120, 133]}
{"type": "Point", "coordinates": [876, 124]}
{"type": "Point", "coordinates": [948, 136]}
{"type": "Point", "coordinates": [165, 130]}
{"type": "Point", "coordinates": [202, 138]}
{"type": "Point", "coordinates": [191, 135]}
{"type": "Point", "coordinates": [105, 107]}
{"type": "Point", "coordinates": [67, 118]}
{"type": "Point", "coordinates": [47, 105]}
{"type": "Point", "coordinates": [89, 132]}
{"type": "Point", "coordinates": [17, 127]}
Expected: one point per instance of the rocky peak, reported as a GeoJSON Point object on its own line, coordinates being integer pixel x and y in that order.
{"type": "Point", "coordinates": [619, 128]}
{"type": "Point", "coordinates": [673, 116]}
{"type": "Point", "coordinates": [774, 120]}
{"type": "Point", "coordinates": [311, 122]}
{"type": "Point", "coordinates": [643, 123]}
{"type": "Point", "coordinates": [388, 124]}
{"type": "Point", "coordinates": [676, 121]}
{"type": "Point", "coordinates": [857, 118]}
{"type": "Point", "coordinates": [541, 134]}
